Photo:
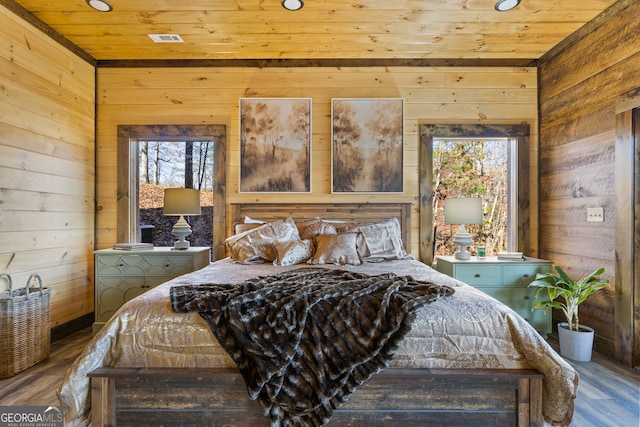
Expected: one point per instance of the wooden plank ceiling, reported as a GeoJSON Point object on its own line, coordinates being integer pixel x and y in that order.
{"type": "Point", "coordinates": [322, 29]}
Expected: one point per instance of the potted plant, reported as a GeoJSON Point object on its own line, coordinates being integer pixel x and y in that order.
{"type": "Point", "coordinates": [576, 340]}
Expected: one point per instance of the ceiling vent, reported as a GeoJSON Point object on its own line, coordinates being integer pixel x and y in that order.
{"type": "Point", "coordinates": [166, 38]}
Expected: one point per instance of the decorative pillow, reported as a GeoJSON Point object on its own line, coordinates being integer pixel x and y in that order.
{"type": "Point", "coordinates": [292, 252]}
{"type": "Point", "coordinates": [336, 249]}
{"type": "Point", "coordinates": [311, 228]}
{"type": "Point", "coordinates": [249, 220]}
{"type": "Point", "coordinates": [256, 245]}
{"type": "Point", "coordinates": [383, 240]}
{"type": "Point", "coordinates": [340, 225]}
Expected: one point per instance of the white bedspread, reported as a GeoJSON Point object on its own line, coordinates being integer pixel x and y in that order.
{"type": "Point", "coordinates": [467, 330]}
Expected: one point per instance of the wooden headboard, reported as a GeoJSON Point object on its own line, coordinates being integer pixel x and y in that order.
{"type": "Point", "coordinates": [355, 212]}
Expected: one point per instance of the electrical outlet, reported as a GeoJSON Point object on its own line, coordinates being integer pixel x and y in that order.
{"type": "Point", "coordinates": [595, 214]}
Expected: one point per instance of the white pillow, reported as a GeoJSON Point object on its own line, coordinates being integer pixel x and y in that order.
{"type": "Point", "coordinates": [248, 220]}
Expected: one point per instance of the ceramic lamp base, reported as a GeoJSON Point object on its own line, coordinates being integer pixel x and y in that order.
{"type": "Point", "coordinates": [462, 239]}
{"type": "Point", "coordinates": [181, 229]}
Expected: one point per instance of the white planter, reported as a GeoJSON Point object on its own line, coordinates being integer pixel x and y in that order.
{"type": "Point", "coordinates": [575, 345]}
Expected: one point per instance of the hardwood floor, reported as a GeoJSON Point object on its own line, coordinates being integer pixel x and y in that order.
{"type": "Point", "coordinates": [608, 396]}
{"type": "Point", "coordinates": [38, 384]}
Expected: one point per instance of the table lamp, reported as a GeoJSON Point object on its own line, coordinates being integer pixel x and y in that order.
{"type": "Point", "coordinates": [181, 202]}
{"type": "Point", "coordinates": [463, 210]}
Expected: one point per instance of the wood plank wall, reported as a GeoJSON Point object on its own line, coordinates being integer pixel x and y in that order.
{"type": "Point", "coordinates": [580, 83]}
{"type": "Point", "coordinates": [47, 179]}
{"type": "Point", "coordinates": [211, 96]}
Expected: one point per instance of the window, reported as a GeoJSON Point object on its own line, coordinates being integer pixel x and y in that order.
{"type": "Point", "coordinates": [516, 142]}
{"type": "Point", "coordinates": [163, 164]}
{"type": "Point", "coordinates": [485, 168]}
{"type": "Point", "coordinates": [131, 140]}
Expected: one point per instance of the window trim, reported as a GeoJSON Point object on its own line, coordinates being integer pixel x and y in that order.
{"type": "Point", "coordinates": [429, 132]}
{"type": "Point", "coordinates": [128, 136]}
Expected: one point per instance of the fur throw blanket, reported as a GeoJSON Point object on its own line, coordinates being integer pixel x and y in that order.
{"type": "Point", "coordinates": [305, 339]}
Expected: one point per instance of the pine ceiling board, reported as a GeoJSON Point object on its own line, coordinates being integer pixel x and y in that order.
{"type": "Point", "coordinates": [315, 5]}
{"type": "Point", "coordinates": [276, 17]}
{"type": "Point", "coordinates": [263, 50]}
{"type": "Point", "coordinates": [322, 29]}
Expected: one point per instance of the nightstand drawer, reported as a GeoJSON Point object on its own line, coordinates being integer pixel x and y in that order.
{"type": "Point", "coordinates": [513, 297]}
{"type": "Point", "coordinates": [539, 319]}
{"type": "Point", "coordinates": [521, 275]}
{"type": "Point", "coordinates": [138, 265]}
{"type": "Point", "coordinates": [479, 275]}
{"type": "Point", "coordinates": [114, 291]}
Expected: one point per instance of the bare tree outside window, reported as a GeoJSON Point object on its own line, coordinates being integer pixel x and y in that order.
{"type": "Point", "coordinates": [473, 168]}
{"type": "Point", "coordinates": [164, 164]}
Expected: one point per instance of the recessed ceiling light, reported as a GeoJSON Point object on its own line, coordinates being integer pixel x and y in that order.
{"type": "Point", "coordinates": [100, 5]}
{"type": "Point", "coordinates": [292, 4]}
{"type": "Point", "coordinates": [504, 5]}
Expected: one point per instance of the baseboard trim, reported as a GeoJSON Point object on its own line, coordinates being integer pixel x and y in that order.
{"type": "Point", "coordinates": [75, 325]}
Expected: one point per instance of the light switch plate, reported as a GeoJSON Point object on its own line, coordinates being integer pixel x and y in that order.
{"type": "Point", "coordinates": [595, 214]}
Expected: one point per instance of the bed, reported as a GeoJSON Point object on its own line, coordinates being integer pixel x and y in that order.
{"type": "Point", "coordinates": [467, 360]}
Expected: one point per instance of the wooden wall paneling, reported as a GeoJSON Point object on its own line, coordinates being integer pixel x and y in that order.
{"type": "Point", "coordinates": [426, 193]}
{"type": "Point", "coordinates": [211, 95]}
{"type": "Point", "coordinates": [582, 152]}
{"type": "Point", "coordinates": [219, 224]}
{"type": "Point", "coordinates": [36, 23]}
{"type": "Point", "coordinates": [50, 103]}
{"type": "Point", "coordinates": [32, 48]}
{"type": "Point", "coordinates": [567, 238]}
{"type": "Point", "coordinates": [47, 164]}
{"type": "Point", "coordinates": [559, 213]}
{"type": "Point", "coordinates": [588, 182]}
{"type": "Point", "coordinates": [635, 284]}
{"type": "Point", "coordinates": [29, 141]}
{"type": "Point", "coordinates": [594, 127]}
{"type": "Point", "coordinates": [616, 27]}
{"type": "Point", "coordinates": [580, 84]}
{"type": "Point", "coordinates": [595, 94]}
{"type": "Point", "coordinates": [627, 188]}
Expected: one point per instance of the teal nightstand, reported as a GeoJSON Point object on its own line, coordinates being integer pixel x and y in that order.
{"type": "Point", "coordinates": [505, 280]}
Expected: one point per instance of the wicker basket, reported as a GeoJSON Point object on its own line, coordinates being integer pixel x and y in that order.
{"type": "Point", "coordinates": [24, 326]}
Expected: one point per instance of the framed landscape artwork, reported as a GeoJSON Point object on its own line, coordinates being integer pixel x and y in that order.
{"type": "Point", "coordinates": [367, 152]}
{"type": "Point", "coordinates": [275, 145]}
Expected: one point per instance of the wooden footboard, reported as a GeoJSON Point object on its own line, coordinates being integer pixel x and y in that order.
{"type": "Point", "coordinates": [394, 397]}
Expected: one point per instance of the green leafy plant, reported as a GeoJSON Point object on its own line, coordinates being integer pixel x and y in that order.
{"type": "Point", "coordinates": [573, 292]}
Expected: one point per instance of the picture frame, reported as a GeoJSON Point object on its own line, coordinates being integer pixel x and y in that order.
{"type": "Point", "coordinates": [367, 145]}
{"type": "Point", "coordinates": [275, 145]}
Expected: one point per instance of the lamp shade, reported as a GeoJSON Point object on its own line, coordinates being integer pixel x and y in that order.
{"type": "Point", "coordinates": [463, 210]}
{"type": "Point", "coordinates": [181, 201]}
